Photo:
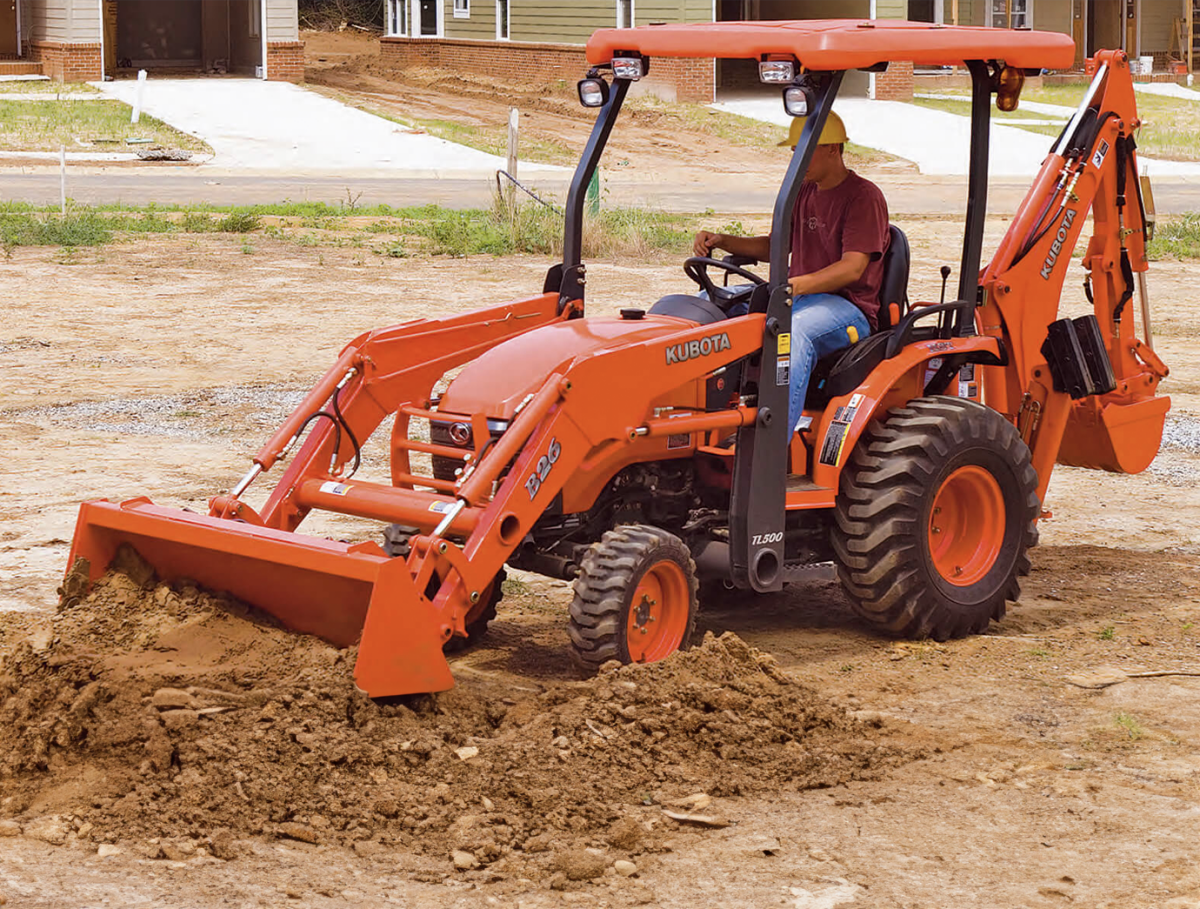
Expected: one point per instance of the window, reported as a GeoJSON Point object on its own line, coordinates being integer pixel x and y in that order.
{"type": "Point", "coordinates": [397, 17]}
{"type": "Point", "coordinates": [1011, 14]}
{"type": "Point", "coordinates": [255, 23]}
{"type": "Point", "coordinates": [624, 13]}
{"type": "Point", "coordinates": [462, 9]}
{"type": "Point", "coordinates": [501, 20]}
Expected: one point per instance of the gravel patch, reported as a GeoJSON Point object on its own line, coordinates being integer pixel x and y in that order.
{"type": "Point", "coordinates": [198, 415]}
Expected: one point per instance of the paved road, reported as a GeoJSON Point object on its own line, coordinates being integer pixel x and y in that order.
{"type": "Point", "coordinates": [906, 196]}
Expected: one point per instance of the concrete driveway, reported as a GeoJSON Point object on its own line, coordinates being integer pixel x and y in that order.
{"type": "Point", "coordinates": [278, 127]}
{"type": "Point", "coordinates": [936, 141]}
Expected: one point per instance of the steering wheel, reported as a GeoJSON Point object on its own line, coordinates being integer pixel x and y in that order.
{"type": "Point", "coordinates": [696, 268]}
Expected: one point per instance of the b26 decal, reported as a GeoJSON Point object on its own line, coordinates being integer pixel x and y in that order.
{"type": "Point", "coordinates": [544, 465]}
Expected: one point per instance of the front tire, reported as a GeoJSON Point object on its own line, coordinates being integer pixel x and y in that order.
{"type": "Point", "coordinates": [935, 514]}
{"type": "Point", "coordinates": [635, 598]}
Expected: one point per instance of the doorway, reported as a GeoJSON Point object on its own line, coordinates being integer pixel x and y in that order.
{"type": "Point", "coordinates": [428, 18]}
{"type": "Point", "coordinates": [209, 37]}
{"type": "Point", "coordinates": [9, 46]}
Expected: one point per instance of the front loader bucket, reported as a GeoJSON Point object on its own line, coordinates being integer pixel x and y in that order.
{"type": "Point", "coordinates": [1116, 436]}
{"type": "Point", "coordinates": [340, 592]}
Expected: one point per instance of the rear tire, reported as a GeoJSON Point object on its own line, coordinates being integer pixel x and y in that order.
{"type": "Point", "coordinates": [635, 598]}
{"type": "Point", "coordinates": [935, 514]}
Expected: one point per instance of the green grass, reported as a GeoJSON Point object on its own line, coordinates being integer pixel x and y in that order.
{"type": "Point", "coordinates": [1107, 633]}
{"type": "Point", "coordinates": [47, 87]}
{"type": "Point", "coordinates": [1176, 236]}
{"type": "Point", "coordinates": [101, 125]}
{"type": "Point", "coordinates": [1130, 724]}
{"type": "Point", "coordinates": [75, 229]}
{"type": "Point", "coordinates": [1170, 126]}
{"type": "Point", "coordinates": [963, 109]}
{"type": "Point", "coordinates": [394, 232]}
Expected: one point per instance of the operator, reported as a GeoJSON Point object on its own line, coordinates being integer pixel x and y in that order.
{"type": "Point", "coordinates": [839, 236]}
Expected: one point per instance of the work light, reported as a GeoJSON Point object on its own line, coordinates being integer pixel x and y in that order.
{"type": "Point", "coordinates": [631, 68]}
{"type": "Point", "coordinates": [776, 72]}
{"type": "Point", "coordinates": [593, 92]}
{"type": "Point", "coordinates": [797, 100]}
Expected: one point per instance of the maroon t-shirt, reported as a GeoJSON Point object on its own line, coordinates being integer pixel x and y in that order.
{"type": "Point", "coordinates": [851, 217]}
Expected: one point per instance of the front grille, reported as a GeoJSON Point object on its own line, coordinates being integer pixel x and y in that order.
{"type": "Point", "coordinates": [457, 434]}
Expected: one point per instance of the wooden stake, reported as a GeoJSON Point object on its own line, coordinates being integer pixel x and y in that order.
{"type": "Point", "coordinates": [62, 176]}
{"type": "Point", "coordinates": [514, 126]}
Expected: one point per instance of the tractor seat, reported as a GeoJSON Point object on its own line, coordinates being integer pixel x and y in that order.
{"type": "Point", "coordinates": [687, 306]}
{"type": "Point", "coordinates": [844, 370]}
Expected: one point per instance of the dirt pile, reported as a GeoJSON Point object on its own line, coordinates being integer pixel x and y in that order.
{"type": "Point", "coordinates": [168, 712]}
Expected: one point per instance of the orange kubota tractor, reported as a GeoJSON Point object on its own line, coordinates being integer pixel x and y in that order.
{"type": "Point", "coordinates": [639, 454]}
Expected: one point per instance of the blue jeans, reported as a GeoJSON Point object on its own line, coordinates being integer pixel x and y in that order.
{"type": "Point", "coordinates": [821, 324]}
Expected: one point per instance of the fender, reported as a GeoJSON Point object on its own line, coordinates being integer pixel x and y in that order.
{"type": "Point", "coordinates": [847, 416]}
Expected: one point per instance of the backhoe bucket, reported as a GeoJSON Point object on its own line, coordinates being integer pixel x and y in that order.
{"type": "Point", "coordinates": [340, 592]}
{"type": "Point", "coordinates": [1115, 436]}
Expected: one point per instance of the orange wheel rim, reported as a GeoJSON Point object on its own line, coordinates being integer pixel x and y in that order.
{"type": "Point", "coordinates": [658, 613]}
{"type": "Point", "coordinates": [966, 526]}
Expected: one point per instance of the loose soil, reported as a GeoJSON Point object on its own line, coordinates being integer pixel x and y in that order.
{"type": "Point", "coordinates": [654, 141]}
{"type": "Point", "coordinates": [218, 759]}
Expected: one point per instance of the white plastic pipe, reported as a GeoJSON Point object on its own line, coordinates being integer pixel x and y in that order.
{"type": "Point", "coordinates": [62, 177]}
{"type": "Point", "coordinates": [137, 100]}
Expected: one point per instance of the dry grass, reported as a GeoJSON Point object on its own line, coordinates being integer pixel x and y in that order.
{"type": "Point", "coordinates": [47, 87]}
{"type": "Point", "coordinates": [101, 125]}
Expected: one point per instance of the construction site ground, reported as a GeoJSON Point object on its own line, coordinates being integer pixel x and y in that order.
{"type": "Point", "coordinates": [162, 747]}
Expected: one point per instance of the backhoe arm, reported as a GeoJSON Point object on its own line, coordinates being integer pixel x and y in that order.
{"type": "Point", "coordinates": [1060, 394]}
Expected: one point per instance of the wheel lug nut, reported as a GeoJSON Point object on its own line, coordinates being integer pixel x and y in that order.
{"type": "Point", "coordinates": [645, 630]}
{"type": "Point", "coordinates": [937, 530]}
{"type": "Point", "coordinates": [957, 569]}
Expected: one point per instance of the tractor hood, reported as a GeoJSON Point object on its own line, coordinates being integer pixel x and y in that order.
{"type": "Point", "coordinates": [496, 382]}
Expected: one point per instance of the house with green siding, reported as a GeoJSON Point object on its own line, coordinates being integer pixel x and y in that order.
{"type": "Point", "coordinates": [542, 40]}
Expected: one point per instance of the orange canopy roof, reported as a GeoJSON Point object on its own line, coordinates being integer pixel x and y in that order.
{"type": "Point", "coordinates": [833, 44]}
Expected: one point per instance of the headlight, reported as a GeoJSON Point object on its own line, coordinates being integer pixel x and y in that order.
{"type": "Point", "coordinates": [593, 92]}
{"type": "Point", "coordinates": [797, 100]}
{"type": "Point", "coordinates": [631, 68]}
{"type": "Point", "coordinates": [776, 72]}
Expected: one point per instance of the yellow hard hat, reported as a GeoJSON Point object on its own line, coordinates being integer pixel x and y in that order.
{"type": "Point", "coordinates": [834, 132]}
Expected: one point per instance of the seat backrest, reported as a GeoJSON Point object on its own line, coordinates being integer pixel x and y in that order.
{"type": "Point", "coordinates": [893, 290]}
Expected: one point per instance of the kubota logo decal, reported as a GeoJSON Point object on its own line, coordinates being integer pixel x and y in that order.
{"type": "Point", "coordinates": [690, 350]}
{"type": "Point", "coordinates": [1059, 239]}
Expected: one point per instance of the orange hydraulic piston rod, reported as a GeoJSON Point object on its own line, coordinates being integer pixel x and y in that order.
{"type": "Point", "coordinates": [385, 503]}
{"type": "Point", "coordinates": [700, 422]}
{"type": "Point", "coordinates": [478, 486]}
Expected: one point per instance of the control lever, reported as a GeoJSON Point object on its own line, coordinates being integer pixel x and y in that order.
{"type": "Point", "coordinates": [945, 277]}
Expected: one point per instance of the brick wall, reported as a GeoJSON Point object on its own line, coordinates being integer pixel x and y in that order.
{"type": "Point", "coordinates": [896, 84]}
{"type": "Point", "coordinates": [285, 61]}
{"type": "Point", "coordinates": [526, 62]}
{"type": "Point", "coordinates": [68, 62]}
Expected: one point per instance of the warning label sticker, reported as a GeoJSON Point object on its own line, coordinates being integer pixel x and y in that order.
{"type": "Point", "coordinates": [839, 429]}
{"type": "Point", "coordinates": [835, 438]}
{"type": "Point", "coordinates": [679, 440]}
{"type": "Point", "coordinates": [784, 345]}
{"type": "Point", "coordinates": [782, 372]}
{"type": "Point", "coordinates": [335, 489]}
{"type": "Point", "coordinates": [441, 507]}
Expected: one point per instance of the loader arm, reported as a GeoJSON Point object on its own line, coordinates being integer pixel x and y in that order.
{"type": "Point", "coordinates": [602, 400]}
{"type": "Point", "coordinates": [1091, 167]}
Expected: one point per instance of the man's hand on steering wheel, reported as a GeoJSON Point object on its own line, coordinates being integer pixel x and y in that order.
{"type": "Point", "coordinates": [696, 268]}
